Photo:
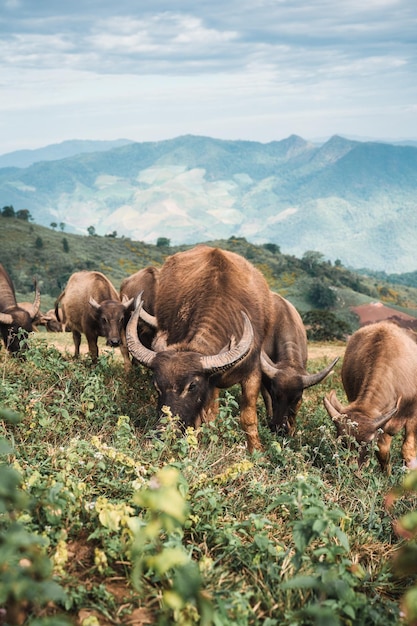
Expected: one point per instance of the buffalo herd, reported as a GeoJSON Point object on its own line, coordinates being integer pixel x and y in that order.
{"type": "Point", "coordinates": [206, 320]}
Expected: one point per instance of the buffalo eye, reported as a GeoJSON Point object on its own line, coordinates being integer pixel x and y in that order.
{"type": "Point", "coordinates": [192, 386]}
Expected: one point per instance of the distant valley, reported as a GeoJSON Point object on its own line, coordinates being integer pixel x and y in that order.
{"type": "Point", "coordinates": [351, 201]}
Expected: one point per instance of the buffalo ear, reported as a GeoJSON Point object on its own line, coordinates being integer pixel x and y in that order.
{"type": "Point", "coordinates": [128, 302]}
{"type": "Point", "coordinates": [6, 318]}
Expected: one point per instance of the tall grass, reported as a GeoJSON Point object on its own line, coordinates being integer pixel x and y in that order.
{"type": "Point", "coordinates": [145, 523]}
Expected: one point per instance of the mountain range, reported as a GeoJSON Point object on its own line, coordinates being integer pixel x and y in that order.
{"type": "Point", "coordinates": [352, 201]}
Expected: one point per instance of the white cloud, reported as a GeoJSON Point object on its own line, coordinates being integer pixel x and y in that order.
{"type": "Point", "coordinates": [259, 70]}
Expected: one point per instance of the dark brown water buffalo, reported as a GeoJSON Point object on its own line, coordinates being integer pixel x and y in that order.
{"type": "Point", "coordinates": [14, 319]}
{"type": "Point", "coordinates": [90, 305]}
{"type": "Point", "coordinates": [379, 374]}
{"type": "Point", "coordinates": [213, 310]}
{"type": "Point", "coordinates": [144, 281]}
{"type": "Point", "coordinates": [284, 362]}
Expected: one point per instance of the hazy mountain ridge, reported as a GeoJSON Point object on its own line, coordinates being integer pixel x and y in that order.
{"type": "Point", "coordinates": [347, 199]}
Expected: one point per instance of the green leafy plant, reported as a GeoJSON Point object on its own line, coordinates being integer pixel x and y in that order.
{"type": "Point", "coordinates": [25, 570]}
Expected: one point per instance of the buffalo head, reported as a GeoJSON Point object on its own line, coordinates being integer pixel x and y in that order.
{"type": "Point", "coordinates": [285, 386]}
{"type": "Point", "coordinates": [15, 322]}
{"type": "Point", "coordinates": [111, 317]}
{"type": "Point", "coordinates": [352, 422]}
{"type": "Point", "coordinates": [186, 379]}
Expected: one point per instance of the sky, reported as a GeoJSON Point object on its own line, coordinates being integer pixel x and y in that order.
{"type": "Point", "coordinates": [258, 70]}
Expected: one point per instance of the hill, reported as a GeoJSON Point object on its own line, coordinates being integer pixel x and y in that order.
{"type": "Point", "coordinates": [348, 199]}
{"type": "Point", "coordinates": [28, 250]}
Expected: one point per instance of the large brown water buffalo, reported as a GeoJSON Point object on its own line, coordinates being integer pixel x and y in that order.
{"type": "Point", "coordinates": [379, 374]}
{"type": "Point", "coordinates": [15, 320]}
{"type": "Point", "coordinates": [284, 363]}
{"type": "Point", "coordinates": [144, 281]}
{"type": "Point", "coordinates": [90, 305]}
{"type": "Point", "coordinates": [213, 310]}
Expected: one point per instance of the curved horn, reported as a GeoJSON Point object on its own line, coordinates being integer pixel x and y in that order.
{"type": "Point", "coordinates": [267, 366]}
{"type": "Point", "coordinates": [331, 409]}
{"type": "Point", "coordinates": [36, 302]}
{"type": "Point", "coordinates": [309, 380]}
{"type": "Point", "coordinates": [225, 360]}
{"type": "Point", "coordinates": [135, 347]}
{"type": "Point", "coordinates": [148, 318]}
{"type": "Point", "coordinates": [94, 303]}
{"type": "Point", "coordinates": [6, 318]}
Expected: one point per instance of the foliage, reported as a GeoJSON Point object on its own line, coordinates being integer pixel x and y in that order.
{"type": "Point", "coordinates": [162, 242]}
{"type": "Point", "coordinates": [25, 569]}
{"type": "Point", "coordinates": [321, 295]}
{"type": "Point", "coordinates": [405, 561]}
{"type": "Point", "coordinates": [325, 326]}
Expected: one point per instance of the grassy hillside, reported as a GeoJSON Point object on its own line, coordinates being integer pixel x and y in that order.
{"type": "Point", "coordinates": [28, 250]}
{"type": "Point", "coordinates": [106, 520]}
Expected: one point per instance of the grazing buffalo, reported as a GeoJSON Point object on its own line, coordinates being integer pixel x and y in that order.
{"type": "Point", "coordinates": [144, 281]}
{"type": "Point", "coordinates": [15, 319]}
{"type": "Point", "coordinates": [283, 362]}
{"type": "Point", "coordinates": [90, 305]}
{"type": "Point", "coordinates": [212, 309]}
{"type": "Point", "coordinates": [379, 374]}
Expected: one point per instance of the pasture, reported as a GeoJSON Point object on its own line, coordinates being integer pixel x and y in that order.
{"type": "Point", "coordinates": [119, 524]}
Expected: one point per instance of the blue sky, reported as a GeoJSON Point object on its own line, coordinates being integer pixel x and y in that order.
{"type": "Point", "coordinates": [259, 70]}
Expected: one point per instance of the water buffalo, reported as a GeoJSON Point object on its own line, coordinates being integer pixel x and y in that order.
{"type": "Point", "coordinates": [144, 281]}
{"type": "Point", "coordinates": [284, 362]}
{"type": "Point", "coordinates": [13, 318]}
{"type": "Point", "coordinates": [212, 309]}
{"type": "Point", "coordinates": [379, 375]}
{"type": "Point", "coordinates": [90, 305]}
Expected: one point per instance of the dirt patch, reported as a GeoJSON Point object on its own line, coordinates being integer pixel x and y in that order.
{"type": "Point", "coordinates": [376, 312]}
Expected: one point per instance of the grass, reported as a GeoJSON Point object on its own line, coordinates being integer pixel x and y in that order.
{"type": "Point", "coordinates": [172, 529]}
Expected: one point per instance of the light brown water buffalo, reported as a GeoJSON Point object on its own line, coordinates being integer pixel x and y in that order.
{"type": "Point", "coordinates": [284, 363]}
{"type": "Point", "coordinates": [15, 320]}
{"type": "Point", "coordinates": [379, 374]}
{"type": "Point", "coordinates": [90, 305]}
{"type": "Point", "coordinates": [213, 310]}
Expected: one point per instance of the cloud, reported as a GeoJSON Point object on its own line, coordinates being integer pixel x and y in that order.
{"type": "Point", "coordinates": [256, 69]}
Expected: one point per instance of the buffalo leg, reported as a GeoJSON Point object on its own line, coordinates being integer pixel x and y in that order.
{"type": "Point", "coordinates": [409, 447]}
{"type": "Point", "coordinates": [77, 342]}
{"type": "Point", "coordinates": [383, 452]}
{"type": "Point", "coordinates": [93, 347]}
{"type": "Point", "coordinates": [248, 416]}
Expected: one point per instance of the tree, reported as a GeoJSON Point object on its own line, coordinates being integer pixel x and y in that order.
{"type": "Point", "coordinates": [311, 258]}
{"type": "Point", "coordinates": [91, 231]}
{"type": "Point", "coordinates": [8, 211]}
{"type": "Point", "coordinates": [162, 242]}
{"type": "Point", "coordinates": [62, 226]}
{"type": "Point", "coordinates": [272, 247]}
{"type": "Point", "coordinates": [325, 326]}
{"type": "Point", "coordinates": [53, 225]}
{"type": "Point", "coordinates": [321, 296]}
{"type": "Point", "coordinates": [39, 243]}
{"type": "Point", "coordinates": [65, 244]}
{"type": "Point", "coordinates": [24, 214]}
